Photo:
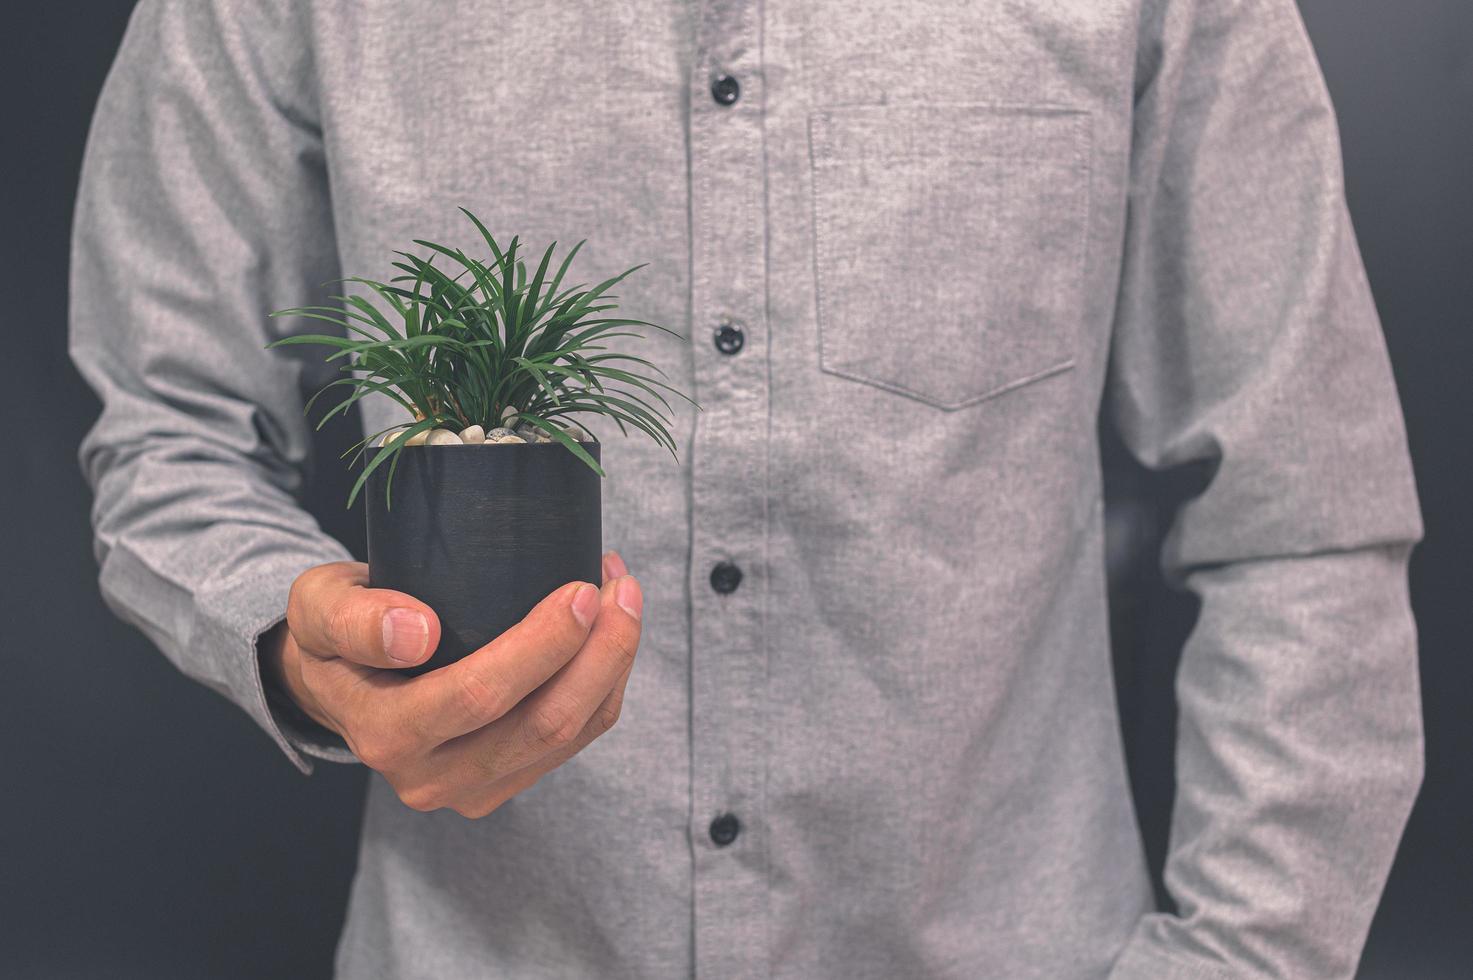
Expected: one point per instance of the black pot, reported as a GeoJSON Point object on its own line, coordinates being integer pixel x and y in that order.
{"type": "Point", "coordinates": [483, 533]}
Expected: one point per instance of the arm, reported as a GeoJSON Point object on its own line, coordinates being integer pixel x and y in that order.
{"type": "Point", "coordinates": [1247, 347]}
{"type": "Point", "coordinates": [203, 206]}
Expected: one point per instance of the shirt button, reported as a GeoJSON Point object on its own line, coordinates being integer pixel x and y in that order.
{"type": "Point", "coordinates": [724, 829]}
{"type": "Point", "coordinates": [725, 89]}
{"type": "Point", "coordinates": [725, 577]}
{"type": "Point", "coordinates": [729, 338]}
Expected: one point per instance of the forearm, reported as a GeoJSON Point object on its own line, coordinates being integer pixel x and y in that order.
{"type": "Point", "coordinates": [202, 207]}
{"type": "Point", "coordinates": [1299, 755]}
{"type": "Point", "coordinates": [207, 594]}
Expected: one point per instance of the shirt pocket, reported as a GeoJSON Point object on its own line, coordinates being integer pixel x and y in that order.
{"type": "Point", "coordinates": [949, 245]}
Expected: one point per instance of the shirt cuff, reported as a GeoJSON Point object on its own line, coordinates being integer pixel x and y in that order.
{"type": "Point", "coordinates": [297, 728]}
{"type": "Point", "coordinates": [231, 615]}
{"type": "Point", "coordinates": [1144, 959]}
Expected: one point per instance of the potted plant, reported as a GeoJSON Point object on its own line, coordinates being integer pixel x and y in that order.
{"type": "Point", "coordinates": [487, 497]}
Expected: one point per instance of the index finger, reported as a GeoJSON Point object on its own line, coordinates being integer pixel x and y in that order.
{"type": "Point", "coordinates": [476, 690]}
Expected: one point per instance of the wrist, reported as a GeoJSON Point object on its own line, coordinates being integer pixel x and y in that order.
{"type": "Point", "coordinates": [281, 674]}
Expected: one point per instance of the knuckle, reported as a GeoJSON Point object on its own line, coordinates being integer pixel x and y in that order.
{"type": "Point", "coordinates": [607, 716]}
{"type": "Point", "coordinates": [377, 752]}
{"type": "Point", "coordinates": [340, 628]}
{"type": "Point", "coordinates": [553, 725]}
{"type": "Point", "coordinates": [478, 697]}
{"type": "Point", "coordinates": [623, 644]}
{"type": "Point", "coordinates": [425, 799]}
{"type": "Point", "coordinates": [368, 753]}
{"type": "Point", "coordinates": [485, 806]}
{"type": "Point", "coordinates": [295, 598]}
{"type": "Point", "coordinates": [475, 811]}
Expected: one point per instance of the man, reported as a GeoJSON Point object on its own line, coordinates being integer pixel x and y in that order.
{"type": "Point", "coordinates": [915, 246]}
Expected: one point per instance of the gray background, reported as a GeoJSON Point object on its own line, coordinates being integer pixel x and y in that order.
{"type": "Point", "coordinates": [147, 829]}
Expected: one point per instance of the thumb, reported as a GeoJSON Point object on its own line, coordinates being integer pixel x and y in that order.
{"type": "Point", "coordinates": [332, 613]}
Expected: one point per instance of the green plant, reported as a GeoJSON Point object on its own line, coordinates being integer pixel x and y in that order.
{"type": "Point", "coordinates": [489, 346]}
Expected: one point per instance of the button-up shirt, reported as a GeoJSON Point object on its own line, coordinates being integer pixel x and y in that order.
{"type": "Point", "coordinates": [916, 249]}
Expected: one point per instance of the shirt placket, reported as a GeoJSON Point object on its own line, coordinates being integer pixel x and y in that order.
{"type": "Point", "coordinates": [729, 575]}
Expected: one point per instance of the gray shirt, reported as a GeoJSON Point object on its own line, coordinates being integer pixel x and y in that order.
{"type": "Point", "coordinates": [949, 233]}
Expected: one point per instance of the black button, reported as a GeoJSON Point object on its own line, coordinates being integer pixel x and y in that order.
{"type": "Point", "coordinates": [724, 829]}
{"type": "Point", "coordinates": [729, 338]}
{"type": "Point", "coordinates": [725, 577]}
{"type": "Point", "coordinates": [725, 89]}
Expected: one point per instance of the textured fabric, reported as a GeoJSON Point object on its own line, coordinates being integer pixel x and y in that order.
{"type": "Point", "coordinates": [950, 233]}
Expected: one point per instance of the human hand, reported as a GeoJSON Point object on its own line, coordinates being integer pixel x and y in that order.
{"type": "Point", "coordinates": [471, 735]}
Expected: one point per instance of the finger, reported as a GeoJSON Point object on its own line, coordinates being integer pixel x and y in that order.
{"type": "Point", "coordinates": [475, 691]}
{"type": "Point", "coordinates": [552, 717]}
{"type": "Point", "coordinates": [554, 714]}
{"type": "Point", "coordinates": [480, 803]}
{"type": "Point", "coordinates": [613, 567]}
{"type": "Point", "coordinates": [332, 613]}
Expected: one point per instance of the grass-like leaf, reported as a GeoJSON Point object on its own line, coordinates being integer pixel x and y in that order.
{"type": "Point", "coordinates": [469, 344]}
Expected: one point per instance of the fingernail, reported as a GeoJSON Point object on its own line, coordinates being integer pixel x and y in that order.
{"type": "Point", "coordinates": [629, 597]}
{"type": "Point", "coordinates": [405, 635]}
{"type": "Point", "coordinates": [585, 603]}
{"type": "Point", "coordinates": [614, 565]}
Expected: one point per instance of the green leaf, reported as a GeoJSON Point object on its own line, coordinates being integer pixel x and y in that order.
{"type": "Point", "coordinates": [320, 339]}
{"type": "Point", "coordinates": [468, 342]}
{"type": "Point", "coordinates": [395, 446]}
{"type": "Point", "coordinates": [560, 435]}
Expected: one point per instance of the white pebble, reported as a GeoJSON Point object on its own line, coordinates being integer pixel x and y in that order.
{"type": "Point", "coordinates": [418, 439]}
{"type": "Point", "coordinates": [576, 433]}
{"type": "Point", "coordinates": [507, 439]}
{"type": "Point", "coordinates": [473, 435]}
{"type": "Point", "coordinates": [443, 437]}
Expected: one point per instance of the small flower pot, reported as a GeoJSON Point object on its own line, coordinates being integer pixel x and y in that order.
{"type": "Point", "coordinates": [483, 533]}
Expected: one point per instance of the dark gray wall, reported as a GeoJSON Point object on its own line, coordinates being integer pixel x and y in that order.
{"type": "Point", "coordinates": [148, 830]}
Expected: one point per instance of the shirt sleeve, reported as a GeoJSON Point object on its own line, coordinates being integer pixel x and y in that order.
{"type": "Point", "coordinates": [203, 206]}
{"type": "Point", "coordinates": [1247, 356]}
